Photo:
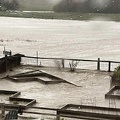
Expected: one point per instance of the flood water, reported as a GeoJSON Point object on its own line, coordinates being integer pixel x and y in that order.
{"type": "Point", "coordinates": [61, 38]}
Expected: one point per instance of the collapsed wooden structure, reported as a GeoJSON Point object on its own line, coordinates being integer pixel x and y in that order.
{"type": "Point", "coordinates": [39, 76]}
{"type": "Point", "coordinates": [70, 110]}
{"type": "Point", "coordinates": [9, 62]}
{"type": "Point", "coordinates": [14, 97]}
{"type": "Point", "coordinates": [73, 111]}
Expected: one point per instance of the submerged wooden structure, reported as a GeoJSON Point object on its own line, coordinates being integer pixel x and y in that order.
{"type": "Point", "coordinates": [70, 110]}
{"type": "Point", "coordinates": [73, 111]}
{"type": "Point", "coordinates": [9, 62]}
{"type": "Point", "coordinates": [72, 63]}
{"type": "Point", "coordinates": [14, 96]}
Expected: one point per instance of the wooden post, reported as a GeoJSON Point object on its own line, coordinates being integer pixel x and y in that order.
{"type": "Point", "coordinates": [4, 50]}
{"type": "Point", "coordinates": [109, 66]}
{"type": "Point", "coordinates": [5, 63]}
{"type": "Point", "coordinates": [37, 58]}
{"type": "Point", "coordinates": [3, 110]}
{"type": "Point", "coordinates": [10, 52]}
{"type": "Point", "coordinates": [63, 64]}
{"type": "Point", "coordinates": [98, 64]}
{"type": "Point", "coordinates": [58, 116]}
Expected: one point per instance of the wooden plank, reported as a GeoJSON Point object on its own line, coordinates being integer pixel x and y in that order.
{"type": "Point", "coordinates": [72, 59]}
{"type": "Point", "coordinates": [39, 113]}
{"type": "Point", "coordinates": [90, 107]}
{"type": "Point", "coordinates": [12, 115]}
{"type": "Point", "coordinates": [87, 114]}
{"type": "Point", "coordinates": [60, 59]}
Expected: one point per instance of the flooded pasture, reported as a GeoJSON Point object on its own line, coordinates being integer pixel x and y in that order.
{"type": "Point", "coordinates": [61, 38]}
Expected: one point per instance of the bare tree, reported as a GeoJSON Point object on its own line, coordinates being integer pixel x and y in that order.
{"type": "Point", "coordinates": [93, 6]}
{"type": "Point", "coordinates": [66, 6]}
{"type": "Point", "coordinates": [9, 5]}
{"type": "Point", "coordinates": [73, 64]}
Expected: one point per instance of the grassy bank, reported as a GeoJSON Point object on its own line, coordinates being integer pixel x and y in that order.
{"type": "Point", "coordinates": [64, 16]}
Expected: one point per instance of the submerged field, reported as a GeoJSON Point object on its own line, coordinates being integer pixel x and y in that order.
{"type": "Point", "coordinates": [61, 38]}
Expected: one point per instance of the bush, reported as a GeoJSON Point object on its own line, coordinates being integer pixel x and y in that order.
{"type": "Point", "coordinates": [9, 5]}
{"type": "Point", "coordinates": [116, 73]}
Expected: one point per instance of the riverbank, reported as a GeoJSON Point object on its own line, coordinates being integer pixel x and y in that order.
{"type": "Point", "coordinates": [64, 16]}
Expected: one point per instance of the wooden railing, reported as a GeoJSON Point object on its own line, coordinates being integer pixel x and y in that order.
{"type": "Point", "coordinates": [61, 113]}
{"type": "Point", "coordinates": [75, 63]}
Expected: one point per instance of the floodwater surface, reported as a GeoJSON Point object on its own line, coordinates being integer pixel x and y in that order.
{"type": "Point", "coordinates": [61, 38]}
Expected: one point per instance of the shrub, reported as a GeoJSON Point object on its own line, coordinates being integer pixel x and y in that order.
{"type": "Point", "coordinates": [116, 73]}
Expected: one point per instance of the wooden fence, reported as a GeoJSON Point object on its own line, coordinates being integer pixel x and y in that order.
{"type": "Point", "coordinates": [9, 62]}
{"type": "Point", "coordinates": [96, 113]}
{"type": "Point", "coordinates": [73, 64]}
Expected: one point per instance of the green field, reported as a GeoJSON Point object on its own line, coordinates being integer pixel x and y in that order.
{"type": "Point", "coordinates": [64, 16]}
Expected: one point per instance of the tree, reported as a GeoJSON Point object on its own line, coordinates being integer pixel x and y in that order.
{"type": "Point", "coordinates": [114, 6]}
{"type": "Point", "coordinates": [9, 5]}
{"type": "Point", "coordinates": [66, 6]}
{"type": "Point", "coordinates": [1, 4]}
{"type": "Point", "coordinates": [92, 6]}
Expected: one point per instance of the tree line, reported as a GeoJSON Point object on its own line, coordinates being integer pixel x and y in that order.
{"type": "Point", "coordinates": [92, 6]}
{"type": "Point", "coordinates": [9, 5]}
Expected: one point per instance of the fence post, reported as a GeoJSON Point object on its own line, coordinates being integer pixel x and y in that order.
{"type": "Point", "coordinates": [98, 64]}
{"type": "Point", "coordinates": [58, 116]}
{"type": "Point", "coordinates": [63, 64]}
{"type": "Point", "coordinates": [37, 58]}
{"type": "Point", "coordinates": [3, 110]}
{"type": "Point", "coordinates": [6, 63]}
{"type": "Point", "coordinates": [109, 66]}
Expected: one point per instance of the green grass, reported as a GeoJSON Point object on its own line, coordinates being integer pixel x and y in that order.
{"type": "Point", "coordinates": [116, 73]}
{"type": "Point", "coordinates": [64, 16]}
